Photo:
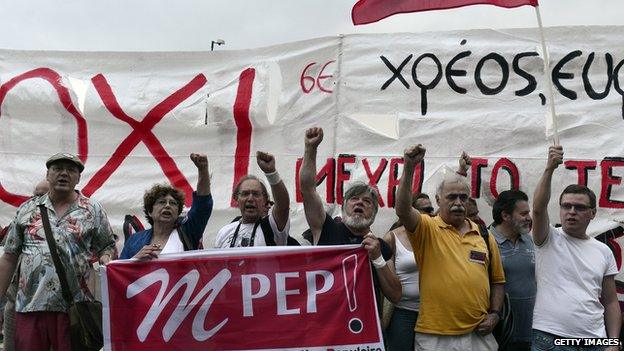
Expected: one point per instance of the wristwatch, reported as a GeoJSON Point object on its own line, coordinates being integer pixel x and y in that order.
{"type": "Point", "coordinates": [498, 313]}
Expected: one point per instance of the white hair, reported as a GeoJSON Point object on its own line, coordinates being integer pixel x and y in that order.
{"type": "Point", "coordinates": [450, 179]}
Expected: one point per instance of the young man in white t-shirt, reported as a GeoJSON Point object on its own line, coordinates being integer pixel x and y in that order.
{"type": "Point", "coordinates": [576, 296]}
{"type": "Point", "coordinates": [257, 226]}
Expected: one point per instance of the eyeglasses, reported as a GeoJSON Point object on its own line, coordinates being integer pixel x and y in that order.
{"type": "Point", "coordinates": [252, 193]}
{"type": "Point", "coordinates": [578, 207]}
{"type": "Point", "coordinates": [164, 202]}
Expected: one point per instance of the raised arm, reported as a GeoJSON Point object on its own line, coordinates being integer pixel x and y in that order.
{"type": "Point", "coordinates": [541, 197]}
{"type": "Point", "coordinates": [464, 164]}
{"type": "Point", "coordinates": [312, 203]}
{"type": "Point", "coordinates": [203, 177]}
{"type": "Point", "coordinates": [194, 224]}
{"type": "Point", "coordinates": [266, 162]}
{"type": "Point", "coordinates": [409, 216]}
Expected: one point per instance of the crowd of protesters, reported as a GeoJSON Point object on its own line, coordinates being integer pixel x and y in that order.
{"type": "Point", "coordinates": [447, 274]}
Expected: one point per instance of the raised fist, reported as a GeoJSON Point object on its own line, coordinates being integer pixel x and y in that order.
{"type": "Point", "coordinates": [266, 161]}
{"type": "Point", "coordinates": [313, 137]}
{"type": "Point", "coordinates": [414, 154]}
{"type": "Point", "coordinates": [555, 157]}
{"type": "Point", "coordinates": [464, 162]}
{"type": "Point", "coordinates": [200, 160]}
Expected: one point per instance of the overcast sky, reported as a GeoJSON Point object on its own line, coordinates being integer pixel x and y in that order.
{"type": "Point", "coordinates": [191, 25]}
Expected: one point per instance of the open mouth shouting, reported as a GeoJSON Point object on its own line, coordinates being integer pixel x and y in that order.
{"type": "Point", "coordinates": [250, 207]}
{"type": "Point", "coordinates": [62, 182]}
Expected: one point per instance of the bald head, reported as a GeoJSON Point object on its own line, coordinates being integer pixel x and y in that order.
{"type": "Point", "coordinates": [41, 188]}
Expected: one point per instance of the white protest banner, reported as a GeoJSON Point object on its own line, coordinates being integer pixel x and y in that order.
{"type": "Point", "coordinates": [135, 117]}
{"type": "Point", "coordinates": [243, 299]}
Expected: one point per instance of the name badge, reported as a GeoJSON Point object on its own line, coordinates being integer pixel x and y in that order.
{"type": "Point", "coordinates": [477, 257]}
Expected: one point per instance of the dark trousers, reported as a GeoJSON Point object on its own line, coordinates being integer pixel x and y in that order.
{"type": "Point", "coordinates": [518, 346]}
{"type": "Point", "coordinates": [400, 332]}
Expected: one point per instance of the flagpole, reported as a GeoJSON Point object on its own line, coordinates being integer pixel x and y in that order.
{"type": "Point", "coordinates": [548, 77]}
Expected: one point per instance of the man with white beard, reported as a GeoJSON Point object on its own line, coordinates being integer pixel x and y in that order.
{"type": "Point", "coordinates": [359, 209]}
{"type": "Point", "coordinates": [512, 223]}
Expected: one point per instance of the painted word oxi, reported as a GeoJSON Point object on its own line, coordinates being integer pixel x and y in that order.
{"type": "Point", "coordinates": [141, 130]}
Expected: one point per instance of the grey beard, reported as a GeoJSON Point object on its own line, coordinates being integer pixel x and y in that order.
{"type": "Point", "coordinates": [357, 223]}
{"type": "Point", "coordinates": [520, 229]}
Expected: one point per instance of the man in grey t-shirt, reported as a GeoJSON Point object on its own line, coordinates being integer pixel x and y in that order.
{"type": "Point", "coordinates": [512, 223]}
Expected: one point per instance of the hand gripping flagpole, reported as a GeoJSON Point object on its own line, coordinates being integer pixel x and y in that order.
{"type": "Point", "coordinates": [548, 77]}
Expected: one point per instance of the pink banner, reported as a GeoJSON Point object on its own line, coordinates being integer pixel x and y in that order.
{"type": "Point", "coordinates": [302, 298]}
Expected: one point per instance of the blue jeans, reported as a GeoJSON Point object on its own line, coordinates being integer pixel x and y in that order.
{"type": "Point", "coordinates": [543, 341]}
{"type": "Point", "coordinates": [400, 332]}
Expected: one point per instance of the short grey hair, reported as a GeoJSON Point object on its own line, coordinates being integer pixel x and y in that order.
{"type": "Point", "coordinates": [358, 188]}
{"type": "Point", "coordinates": [449, 179]}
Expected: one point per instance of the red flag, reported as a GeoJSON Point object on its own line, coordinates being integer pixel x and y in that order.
{"type": "Point", "coordinates": [369, 11]}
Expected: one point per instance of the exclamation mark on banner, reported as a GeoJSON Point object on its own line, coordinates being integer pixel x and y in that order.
{"type": "Point", "coordinates": [349, 267]}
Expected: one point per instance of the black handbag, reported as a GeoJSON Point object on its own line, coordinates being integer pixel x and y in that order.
{"type": "Point", "coordinates": [85, 317]}
{"type": "Point", "coordinates": [503, 329]}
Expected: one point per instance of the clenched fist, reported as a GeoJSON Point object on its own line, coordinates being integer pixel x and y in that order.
{"type": "Point", "coordinates": [414, 155]}
{"type": "Point", "coordinates": [266, 161]}
{"type": "Point", "coordinates": [313, 137]}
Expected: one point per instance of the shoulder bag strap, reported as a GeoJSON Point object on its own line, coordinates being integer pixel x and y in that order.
{"type": "Point", "coordinates": [485, 235]}
{"type": "Point", "coordinates": [267, 231]}
{"type": "Point", "coordinates": [60, 269]}
{"type": "Point", "coordinates": [394, 252]}
{"type": "Point", "coordinates": [186, 242]}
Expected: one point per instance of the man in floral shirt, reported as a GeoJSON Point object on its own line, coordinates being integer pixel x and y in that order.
{"type": "Point", "coordinates": [81, 229]}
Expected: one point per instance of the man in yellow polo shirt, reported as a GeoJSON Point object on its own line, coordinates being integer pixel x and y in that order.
{"type": "Point", "coordinates": [460, 301]}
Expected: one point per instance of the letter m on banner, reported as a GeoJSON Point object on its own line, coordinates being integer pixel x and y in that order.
{"type": "Point", "coordinates": [258, 299]}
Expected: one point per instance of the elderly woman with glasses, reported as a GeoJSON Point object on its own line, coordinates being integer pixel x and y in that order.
{"type": "Point", "coordinates": [171, 233]}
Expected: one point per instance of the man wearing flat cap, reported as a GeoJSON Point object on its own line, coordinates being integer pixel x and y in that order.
{"type": "Point", "coordinates": [80, 229]}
